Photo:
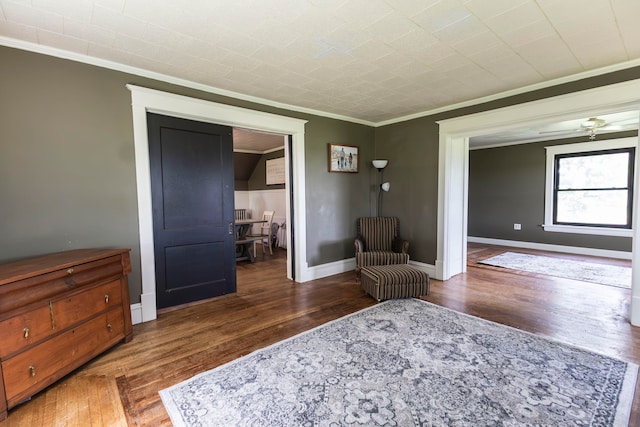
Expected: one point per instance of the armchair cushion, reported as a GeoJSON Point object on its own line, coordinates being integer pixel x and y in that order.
{"type": "Point", "coordinates": [364, 259]}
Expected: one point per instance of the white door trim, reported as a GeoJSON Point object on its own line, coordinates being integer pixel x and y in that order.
{"type": "Point", "coordinates": [454, 153]}
{"type": "Point", "coordinates": [145, 100]}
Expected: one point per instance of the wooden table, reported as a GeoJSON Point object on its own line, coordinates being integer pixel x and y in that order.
{"type": "Point", "coordinates": [243, 241]}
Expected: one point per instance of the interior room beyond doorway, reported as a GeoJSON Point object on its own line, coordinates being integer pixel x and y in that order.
{"type": "Point", "coordinates": [260, 179]}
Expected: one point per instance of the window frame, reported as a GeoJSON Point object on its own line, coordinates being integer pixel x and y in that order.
{"type": "Point", "coordinates": [553, 153]}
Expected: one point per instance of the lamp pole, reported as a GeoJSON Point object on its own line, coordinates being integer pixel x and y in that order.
{"type": "Point", "coordinates": [380, 165]}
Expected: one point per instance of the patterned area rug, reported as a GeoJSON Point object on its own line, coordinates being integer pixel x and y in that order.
{"type": "Point", "coordinates": [611, 275]}
{"type": "Point", "coordinates": [409, 363]}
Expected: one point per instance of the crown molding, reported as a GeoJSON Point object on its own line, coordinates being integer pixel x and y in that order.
{"type": "Point", "coordinates": [86, 59]}
{"type": "Point", "coordinates": [518, 91]}
{"type": "Point", "coordinates": [103, 63]}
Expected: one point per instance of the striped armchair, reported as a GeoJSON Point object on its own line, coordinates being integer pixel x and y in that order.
{"type": "Point", "coordinates": [379, 243]}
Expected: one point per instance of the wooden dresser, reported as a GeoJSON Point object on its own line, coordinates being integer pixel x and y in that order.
{"type": "Point", "coordinates": [57, 312]}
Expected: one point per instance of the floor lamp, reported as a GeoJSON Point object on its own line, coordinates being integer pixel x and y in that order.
{"type": "Point", "coordinates": [384, 186]}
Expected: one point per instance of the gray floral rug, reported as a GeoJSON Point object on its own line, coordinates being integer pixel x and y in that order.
{"type": "Point", "coordinates": [409, 363]}
{"type": "Point", "coordinates": [611, 275]}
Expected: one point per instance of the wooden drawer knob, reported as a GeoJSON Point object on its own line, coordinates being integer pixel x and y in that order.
{"type": "Point", "coordinates": [109, 327]}
{"type": "Point", "coordinates": [32, 370]}
{"type": "Point", "coordinates": [70, 270]}
{"type": "Point", "coordinates": [26, 333]}
{"type": "Point", "coordinates": [106, 298]}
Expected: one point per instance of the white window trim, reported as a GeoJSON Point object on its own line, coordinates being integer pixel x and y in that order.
{"type": "Point", "coordinates": [552, 151]}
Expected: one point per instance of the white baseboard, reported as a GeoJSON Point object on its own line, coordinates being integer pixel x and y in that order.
{"type": "Point", "coordinates": [136, 313]}
{"type": "Point", "coordinates": [330, 269]}
{"type": "Point", "coordinates": [553, 248]}
{"type": "Point", "coordinates": [427, 268]}
{"type": "Point", "coordinates": [635, 313]}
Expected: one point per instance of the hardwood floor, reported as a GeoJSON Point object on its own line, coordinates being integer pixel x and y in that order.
{"type": "Point", "coordinates": [121, 387]}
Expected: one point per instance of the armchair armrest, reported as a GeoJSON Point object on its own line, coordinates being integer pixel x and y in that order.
{"type": "Point", "coordinates": [400, 246]}
{"type": "Point", "coordinates": [359, 244]}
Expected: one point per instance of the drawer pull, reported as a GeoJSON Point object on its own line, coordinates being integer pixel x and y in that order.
{"type": "Point", "coordinates": [26, 333]}
{"type": "Point", "coordinates": [109, 327]}
{"type": "Point", "coordinates": [69, 280]}
{"type": "Point", "coordinates": [32, 370]}
{"type": "Point", "coordinates": [53, 322]}
{"type": "Point", "coordinates": [106, 298]}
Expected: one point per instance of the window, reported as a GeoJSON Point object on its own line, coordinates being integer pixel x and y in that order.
{"type": "Point", "coordinates": [590, 187]}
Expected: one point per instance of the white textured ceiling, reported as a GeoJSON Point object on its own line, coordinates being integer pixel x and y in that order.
{"type": "Point", "coordinates": [250, 141]}
{"type": "Point", "coordinates": [368, 60]}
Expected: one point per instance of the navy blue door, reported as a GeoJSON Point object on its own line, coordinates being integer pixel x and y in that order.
{"type": "Point", "coordinates": [192, 190]}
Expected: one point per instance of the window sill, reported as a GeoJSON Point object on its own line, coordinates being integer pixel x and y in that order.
{"type": "Point", "coordinates": [600, 231]}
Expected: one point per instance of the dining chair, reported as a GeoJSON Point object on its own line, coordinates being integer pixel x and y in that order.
{"type": "Point", "coordinates": [240, 214]}
{"type": "Point", "coordinates": [265, 232]}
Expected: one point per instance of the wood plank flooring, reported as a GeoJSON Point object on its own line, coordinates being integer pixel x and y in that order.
{"type": "Point", "coordinates": [121, 387]}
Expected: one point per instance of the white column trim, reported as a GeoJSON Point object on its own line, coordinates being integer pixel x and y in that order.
{"type": "Point", "coordinates": [634, 307]}
{"type": "Point", "coordinates": [145, 100]}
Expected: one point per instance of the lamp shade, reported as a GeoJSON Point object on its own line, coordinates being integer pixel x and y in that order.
{"type": "Point", "coordinates": [385, 186]}
{"type": "Point", "coordinates": [379, 164]}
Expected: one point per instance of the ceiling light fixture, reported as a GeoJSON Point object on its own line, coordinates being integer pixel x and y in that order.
{"type": "Point", "coordinates": [592, 125]}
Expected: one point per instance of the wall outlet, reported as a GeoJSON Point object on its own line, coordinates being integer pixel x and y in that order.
{"type": "Point", "coordinates": [517, 226]}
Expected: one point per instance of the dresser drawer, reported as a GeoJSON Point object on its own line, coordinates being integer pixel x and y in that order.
{"type": "Point", "coordinates": [80, 306]}
{"type": "Point", "coordinates": [57, 312]}
{"type": "Point", "coordinates": [34, 369]}
{"type": "Point", "coordinates": [47, 285]}
{"type": "Point", "coordinates": [35, 325]}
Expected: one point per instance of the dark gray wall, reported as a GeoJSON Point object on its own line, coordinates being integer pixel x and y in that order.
{"type": "Point", "coordinates": [507, 185]}
{"type": "Point", "coordinates": [67, 170]}
{"type": "Point", "coordinates": [67, 177]}
{"type": "Point", "coordinates": [412, 150]}
{"type": "Point", "coordinates": [243, 166]}
{"type": "Point", "coordinates": [335, 200]}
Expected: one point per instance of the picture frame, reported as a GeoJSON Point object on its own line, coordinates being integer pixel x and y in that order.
{"type": "Point", "coordinates": [343, 158]}
{"type": "Point", "coordinates": [275, 171]}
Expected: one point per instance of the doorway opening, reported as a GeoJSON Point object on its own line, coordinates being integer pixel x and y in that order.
{"type": "Point", "coordinates": [146, 100]}
{"type": "Point", "coordinates": [454, 156]}
{"type": "Point", "coordinates": [261, 185]}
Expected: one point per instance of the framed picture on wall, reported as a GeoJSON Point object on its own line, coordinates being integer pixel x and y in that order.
{"type": "Point", "coordinates": [275, 171]}
{"type": "Point", "coordinates": [343, 158]}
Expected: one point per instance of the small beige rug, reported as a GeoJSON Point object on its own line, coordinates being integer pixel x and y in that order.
{"type": "Point", "coordinates": [611, 275]}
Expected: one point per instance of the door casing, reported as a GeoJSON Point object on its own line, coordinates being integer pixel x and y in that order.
{"type": "Point", "coordinates": [453, 172]}
{"type": "Point", "coordinates": [145, 100]}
